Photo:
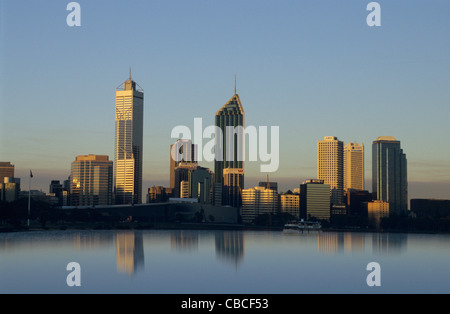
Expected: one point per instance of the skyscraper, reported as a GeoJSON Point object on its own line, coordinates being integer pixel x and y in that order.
{"type": "Point", "coordinates": [91, 180]}
{"type": "Point", "coordinates": [6, 170]}
{"type": "Point", "coordinates": [389, 174]}
{"type": "Point", "coordinates": [354, 166]}
{"type": "Point", "coordinates": [230, 149]}
{"type": "Point", "coordinates": [330, 166]}
{"type": "Point", "coordinates": [315, 200]}
{"type": "Point", "coordinates": [183, 151]}
{"type": "Point", "coordinates": [129, 138]}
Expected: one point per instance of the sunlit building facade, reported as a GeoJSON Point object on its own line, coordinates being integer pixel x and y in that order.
{"type": "Point", "coordinates": [258, 201]}
{"type": "Point", "coordinates": [377, 210]}
{"type": "Point", "coordinates": [354, 167]}
{"type": "Point", "coordinates": [290, 204]}
{"type": "Point", "coordinates": [6, 170]}
{"type": "Point", "coordinates": [91, 181]}
{"type": "Point", "coordinates": [330, 166]}
{"type": "Point", "coordinates": [129, 142]}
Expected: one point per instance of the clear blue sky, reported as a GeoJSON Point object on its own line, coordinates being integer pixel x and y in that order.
{"type": "Point", "coordinates": [314, 68]}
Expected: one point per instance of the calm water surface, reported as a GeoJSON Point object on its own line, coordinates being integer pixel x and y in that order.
{"type": "Point", "coordinates": [223, 262]}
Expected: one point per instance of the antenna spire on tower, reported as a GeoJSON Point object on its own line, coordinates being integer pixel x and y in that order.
{"type": "Point", "coordinates": [130, 74]}
{"type": "Point", "coordinates": [235, 84]}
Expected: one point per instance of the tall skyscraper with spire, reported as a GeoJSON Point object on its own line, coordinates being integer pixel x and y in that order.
{"type": "Point", "coordinates": [230, 150]}
{"type": "Point", "coordinates": [129, 138]}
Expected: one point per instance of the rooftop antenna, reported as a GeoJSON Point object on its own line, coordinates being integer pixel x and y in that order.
{"type": "Point", "coordinates": [130, 74]}
{"type": "Point", "coordinates": [235, 83]}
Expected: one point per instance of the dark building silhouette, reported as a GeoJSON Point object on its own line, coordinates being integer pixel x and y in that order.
{"type": "Point", "coordinates": [432, 208]}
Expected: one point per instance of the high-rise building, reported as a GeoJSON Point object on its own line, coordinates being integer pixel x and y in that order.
{"type": "Point", "coordinates": [9, 189]}
{"type": "Point", "coordinates": [91, 181]}
{"type": "Point", "coordinates": [57, 189]}
{"type": "Point", "coordinates": [290, 204]}
{"type": "Point", "coordinates": [181, 173]}
{"type": "Point", "coordinates": [229, 149]}
{"type": "Point", "coordinates": [389, 174]}
{"type": "Point", "coordinates": [330, 166]}
{"type": "Point", "coordinates": [6, 170]}
{"type": "Point", "coordinates": [233, 183]}
{"type": "Point", "coordinates": [158, 194]}
{"type": "Point", "coordinates": [129, 138]}
{"type": "Point", "coordinates": [356, 201]}
{"type": "Point", "coordinates": [200, 184]}
{"type": "Point", "coordinates": [376, 210]}
{"type": "Point", "coordinates": [315, 200]}
{"type": "Point", "coordinates": [181, 152]}
{"type": "Point", "coordinates": [258, 201]}
{"type": "Point", "coordinates": [354, 167]}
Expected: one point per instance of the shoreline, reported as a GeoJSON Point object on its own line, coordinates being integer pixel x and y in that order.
{"type": "Point", "coordinates": [189, 226]}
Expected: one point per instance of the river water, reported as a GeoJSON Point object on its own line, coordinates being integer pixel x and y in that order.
{"type": "Point", "coordinates": [223, 262]}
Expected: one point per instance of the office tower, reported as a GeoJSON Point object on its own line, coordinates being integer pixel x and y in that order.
{"type": "Point", "coordinates": [389, 174]}
{"type": "Point", "coordinates": [184, 189]}
{"type": "Point", "coordinates": [91, 181]}
{"type": "Point", "coordinates": [233, 183]}
{"type": "Point", "coordinates": [356, 200]}
{"type": "Point", "coordinates": [180, 152]}
{"type": "Point", "coordinates": [258, 201]}
{"type": "Point", "coordinates": [128, 148]}
{"type": "Point", "coordinates": [200, 184]}
{"type": "Point", "coordinates": [229, 149]}
{"type": "Point", "coordinates": [6, 170]}
{"type": "Point", "coordinates": [376, 210]}
{"type": "Point", "coordinates": [181, 174]}
{"type": "Point", "coordinates": [290, 204]}
{"type": "Point", "coordinates": [330, 166]}
{"type": "Point", "coordinates": [9, 189]}
{"type": "Point", "coordinates": [158, 194]}
{"type": "Point", "coordinates": [354, 167]}
{"type": "Point", "coordinates": [314, 200]}
{"type": "Point", "coordinates": [57, 189]}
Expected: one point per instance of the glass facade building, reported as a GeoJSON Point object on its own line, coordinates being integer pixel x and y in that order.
{"type": "Point", "coordinates": [230, 150]}
{"type": "Point", "coordinates": [91, 180]}
{"type": "Point", "coordinates": [129, 142]}
{"type": "Point", "coordinates": [315, 200]}
{"type": "Point", "coordinates": [389, 174]}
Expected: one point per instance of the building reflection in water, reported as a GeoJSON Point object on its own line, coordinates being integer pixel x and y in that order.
{"type": "Point", "coordinates": [182, 240]}
{"type": "Point", "coordinates": [385, 243]}
{"type": "Point", "coordinates": [330, 242]}
{"type": "Point", "coordinates": [129, 252]}
{"type": "Point", "coordinates": [91, 241]}
{"type": "Point", "coordinates": [230, 247]}
{"type": "Point", "coordinates": [353, 242]}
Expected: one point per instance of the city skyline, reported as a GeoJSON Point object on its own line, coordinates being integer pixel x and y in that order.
{"type": "Point", "coordinates": [386, 86]}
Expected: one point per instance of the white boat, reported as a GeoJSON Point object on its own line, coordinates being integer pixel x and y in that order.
{"type": "Point", "coordinates": [300, 226]}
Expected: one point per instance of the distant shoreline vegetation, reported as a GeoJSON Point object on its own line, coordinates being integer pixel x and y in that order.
{"type": "Point", "coordinates": [13, 218]}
